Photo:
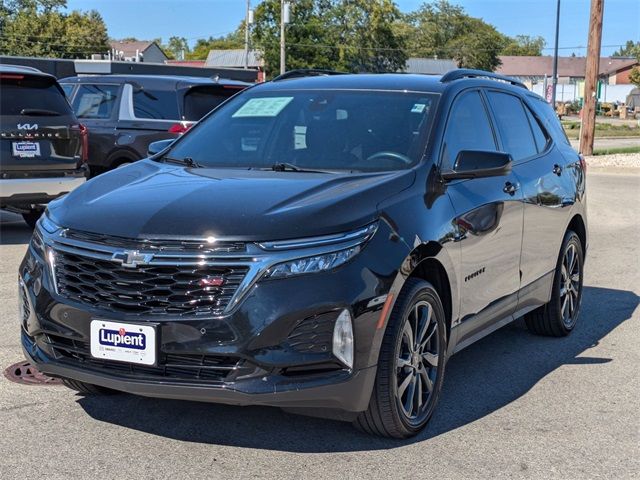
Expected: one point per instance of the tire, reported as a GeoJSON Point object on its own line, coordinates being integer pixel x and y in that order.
{"type": "Point", "coordinates": [558, 317]}
{"type": "Point", "coordinates": [390, 414]}
{"type": "Point", "coordinates": [86, 388]}
{"type": "Point", "coordinates": [32, 217]}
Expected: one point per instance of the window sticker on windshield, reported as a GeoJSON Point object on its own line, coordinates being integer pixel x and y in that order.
{"type": "Point", "coordinates": [263, 107]}
{"type": "Point", "coordinates": [418, 108]}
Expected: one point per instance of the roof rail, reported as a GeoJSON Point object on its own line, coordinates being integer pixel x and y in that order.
{"type": "Point", "coordinates": [306, 72]}
{"type": "Point", "coordinates": [470, 73]}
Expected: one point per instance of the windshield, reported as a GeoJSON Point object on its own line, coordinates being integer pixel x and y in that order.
{"type": "Point", "coordinates": [312, 129]}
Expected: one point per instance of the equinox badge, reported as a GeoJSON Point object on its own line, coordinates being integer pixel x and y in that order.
{"type": "Point", "coordinates": [131, 258]}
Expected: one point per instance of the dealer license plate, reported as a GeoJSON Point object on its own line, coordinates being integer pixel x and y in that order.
{"type": "Point", "coordinates": [123, 342]}
{"type": "Point", "coordinates": [25, 149]}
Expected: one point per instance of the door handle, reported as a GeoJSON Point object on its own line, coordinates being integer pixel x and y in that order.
{"type": "Point", "coordinates": [510, 188]}
{"type": "Point", "coordinates": [557, 169]}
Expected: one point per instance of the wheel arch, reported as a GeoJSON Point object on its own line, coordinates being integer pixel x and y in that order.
{"type": "Point", "coordinates": [577, 225]}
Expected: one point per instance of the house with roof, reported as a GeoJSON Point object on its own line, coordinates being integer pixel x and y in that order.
{"type": "Point", "coordinates": [137, 51]}
{"type": "Point", "coordinates": [571, 70]}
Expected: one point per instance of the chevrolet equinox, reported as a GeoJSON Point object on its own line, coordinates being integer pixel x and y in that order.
{"type": "Point", "coordinates": [322, 244]}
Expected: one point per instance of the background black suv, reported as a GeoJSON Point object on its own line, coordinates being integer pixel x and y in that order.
{"type": "Point", "coordinates": [43, 148]}
{"type": "Point", "coordinates": [125, 113]}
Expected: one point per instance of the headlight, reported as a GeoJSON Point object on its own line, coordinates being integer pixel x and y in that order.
{"type": "Point", "coordinates": [319, 263]}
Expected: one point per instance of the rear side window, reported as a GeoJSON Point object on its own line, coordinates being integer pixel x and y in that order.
{"type": "Point", "coordinates": [549, 118]}
{"type": "Point", "coordinates": [513, 124]}
{"type": "Point", "coordinates": [95, 101]}
{"type": "Point", "coordinates": [199, 101]}
{"type": "Point", "coordinates": [468, 128]}
{"type": "Point", "coordinates": [155, 104]}
{"type": "Point", "coordinates": [68, 89]}
{"type": "Point", "coordinates": [538, 134]}
{"type": "Point", "coordinates": [24, 95]}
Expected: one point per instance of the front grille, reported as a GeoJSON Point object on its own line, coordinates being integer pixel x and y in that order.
{"type": "Point", "coordinates": [147, 289]}
{"type": "Point", "coordinates": [211, 368]}
{"type": "Point", "coordinates": [196, 246]}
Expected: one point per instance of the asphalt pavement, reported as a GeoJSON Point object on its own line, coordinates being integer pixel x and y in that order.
{"type": "Point", "coordinates": [514, 405]}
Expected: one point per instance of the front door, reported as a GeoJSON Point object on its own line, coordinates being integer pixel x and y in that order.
{"type": "Point", "coordinates": [489, 215]}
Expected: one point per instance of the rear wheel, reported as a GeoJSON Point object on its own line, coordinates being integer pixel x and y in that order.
{"type": "Point", "coordinates": [558, 317]}
{"type": "Point", "coordinates": [410, 366]}
{"type": "Point", "coordinates": [32, 217]}
{"type": "Point", "coordinates": [86, 388]}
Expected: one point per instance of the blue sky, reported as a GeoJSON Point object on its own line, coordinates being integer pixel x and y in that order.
{"type": "Point", "coordinates": [146, 19]}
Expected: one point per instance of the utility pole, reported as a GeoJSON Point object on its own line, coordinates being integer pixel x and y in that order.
{"type": "Point", "coordinates": [284, 19]}
{"type": "Point", "coordinates": [554, 79]}
{"type": "Point", "coordinates": [588, 124]}
{"type": "Point", "coordinates": [247, 22]}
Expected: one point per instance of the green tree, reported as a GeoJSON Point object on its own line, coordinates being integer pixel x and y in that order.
{"type": "Point", "coordinates": [351, 35]}
{"type": "Point", "coordinates": [443, 30]}
{"type": "Point", "coordinates": [40, 28]}
{"type": "Point", "coordinates": [176, 48]}
{"type": "Point", "coordinates": [524, 45]}
{"type": "Point", "coordinates": [631, 49]}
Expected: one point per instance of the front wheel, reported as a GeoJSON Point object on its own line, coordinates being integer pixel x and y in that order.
{"type": "Point", "coordinates": [558, 317]}
{"type": "Point", "coordinates": [410, 366]}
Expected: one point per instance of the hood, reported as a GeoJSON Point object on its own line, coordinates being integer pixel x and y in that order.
{"type": "Point", "coordinates": [151, 200]}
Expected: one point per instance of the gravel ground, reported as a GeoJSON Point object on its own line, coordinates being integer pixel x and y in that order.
{"type": "Point", "coordinates": [514, 405]}
{"type": "Point", "coordinates": [618, 160]}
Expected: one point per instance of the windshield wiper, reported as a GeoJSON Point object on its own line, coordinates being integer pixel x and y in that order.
{"type": "Point", "coordinates": [188, 161]}
{"type": "Point", "coordinates": [290, 167]}
{"type": "Point", "coordinates": [39, 112]}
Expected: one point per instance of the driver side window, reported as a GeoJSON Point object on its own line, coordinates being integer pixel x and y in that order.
{"type": "Point", "coordinates": [468, 128]}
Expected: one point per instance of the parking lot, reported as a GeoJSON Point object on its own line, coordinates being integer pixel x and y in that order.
{"type": "Point", "coordinates": [514, 405]}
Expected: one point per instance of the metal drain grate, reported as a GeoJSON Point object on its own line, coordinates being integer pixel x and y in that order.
{"type": "Point", "coordinates": [26, 374]}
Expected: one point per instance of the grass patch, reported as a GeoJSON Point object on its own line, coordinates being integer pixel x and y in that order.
{"type": "Point", "coordinates": [572, 130]}
{"type": "Point", "coordinates": [611, 151]}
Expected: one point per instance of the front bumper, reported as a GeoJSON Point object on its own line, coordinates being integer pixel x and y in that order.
{"type": "Point", "coordinates": [343, 392]}
{"type": "Point", "coordinates": [258, 342]}
{"type": "Point", "coordinates": [37, 190]}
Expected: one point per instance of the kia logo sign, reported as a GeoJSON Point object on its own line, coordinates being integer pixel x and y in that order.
{"type": "Point", "coordinates": [27, 126]}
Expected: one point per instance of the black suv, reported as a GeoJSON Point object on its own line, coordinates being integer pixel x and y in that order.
{"type": "Point", "coordinates": [43, 148]}
{"type": "Point", "coordinates": [126, 113]}
{"type": "Point", "coordinates": [320, 244]}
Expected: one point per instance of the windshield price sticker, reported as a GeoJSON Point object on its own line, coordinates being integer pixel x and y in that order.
{"type": "Point", "coordinates": [263, 107]}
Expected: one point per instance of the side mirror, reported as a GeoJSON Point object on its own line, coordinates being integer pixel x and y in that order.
{"type": "Point", "coordinates": [157, 147]}
{"type": "Point", "coordinates": [478, 164]}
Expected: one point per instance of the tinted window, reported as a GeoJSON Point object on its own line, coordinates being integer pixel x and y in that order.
{"type": "Point", "coordinates": [513, 125]}
{"type": "Point", "coordinates": [31, 93]}
{"type": "Point", "coordinates": [538, 134]}
{"type": "Point", "coordinates": [158, 104]}
{"type": "Point", "coordinates": [335, 130]}
{"type": "Point", "coordinates": [95, 101]}
{"type": "Point", "coordinates": [549, 118]}
{"type": "Point", "coordinates": [468, 128]}
{"type": "Point", "coordinates": [68, 89]}
{"type": "Point", "coordinates": [199, 101]}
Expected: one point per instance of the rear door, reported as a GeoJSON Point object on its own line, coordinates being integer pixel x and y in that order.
{"type": "Point", "coordinates": [546, 186]}
{"type": "Point", "coordinates": [96, 106]}
{"type": "Point", "coordinates": [38, 131]}
{"type": "Point", "coordinates": [148, 114]}
{"type": "Point", "coordinates": [488, 220]}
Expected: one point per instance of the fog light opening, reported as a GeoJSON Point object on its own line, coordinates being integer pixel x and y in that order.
{"type": "Point", "coordinates": [343, 339]}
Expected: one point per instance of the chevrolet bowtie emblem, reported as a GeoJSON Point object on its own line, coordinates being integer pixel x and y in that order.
{"type": "Point", "coordinates": [131, 258]}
